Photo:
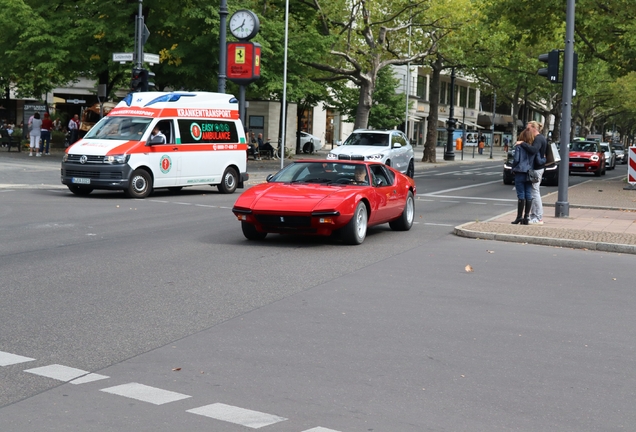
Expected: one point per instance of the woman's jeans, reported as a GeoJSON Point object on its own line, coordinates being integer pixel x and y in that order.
{"type": "Point", "coordinates": [523, 186]}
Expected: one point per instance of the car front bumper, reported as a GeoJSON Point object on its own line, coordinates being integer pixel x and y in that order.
{"type": "Point", "coordinates": [114, 177]}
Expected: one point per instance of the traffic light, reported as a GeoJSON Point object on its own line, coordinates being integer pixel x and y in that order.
{"type": "Point", "coordinates": [146, 80]}
{"type": "Point", "coordinates": [552, 71]}
{"type": "Point", "coordinates": [136, 83]}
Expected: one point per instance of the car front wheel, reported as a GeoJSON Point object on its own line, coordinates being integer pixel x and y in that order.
{"type": "Point", "coordinates": [355, 231]}
{"type": "Point", "coordinates": [251, 233]}
{"type": "Point", "coordinates": [140, 185]}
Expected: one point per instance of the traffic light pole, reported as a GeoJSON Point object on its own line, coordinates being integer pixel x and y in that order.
{"type": "Point", "coordinates": [562, 206]}
{"type": "Point", "coordinates": [139, 33]}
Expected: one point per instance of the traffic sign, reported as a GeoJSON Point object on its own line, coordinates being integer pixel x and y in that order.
{"type": "Point", "coordinates": [151, 58]}
{"type": "Point", "coordinates": [122, 57]}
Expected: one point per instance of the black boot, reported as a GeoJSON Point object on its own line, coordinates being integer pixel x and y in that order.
{"type": "Point", "coordinates": [527, 214]}
{"type": "Point", "coordinates": [520, 204]}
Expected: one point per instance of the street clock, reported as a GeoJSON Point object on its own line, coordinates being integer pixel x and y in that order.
{"type": "Point", "coordinates": [244, 24]}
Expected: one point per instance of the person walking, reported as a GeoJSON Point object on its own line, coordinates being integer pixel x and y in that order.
{"type": "Point", "coordinates": [47, 126]}
{"type": "Point", "coordinates": [35, 128]}
{"type": "Point", "coordinates": [73, 127]}
{"type": "Point", "coordinates": [538, 148]}
{"type": "Point", "coordinates": [481, 145]}
{"type": "Point", "coordinates": [522, 163]}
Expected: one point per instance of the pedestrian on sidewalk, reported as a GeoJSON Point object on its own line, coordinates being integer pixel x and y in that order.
{"type": "Point", "coordinates": [523, 162]}
{"type": "Point", "coordinates": [481, 145]}
{"type": "Point", "coordinates": [47, 126]}
{"type": "Point", "coordinates": [73, 127]}
{"type": "Point", "coordinates": [35, 128]}
{"type": "Point", "coordinates": [539, 147]}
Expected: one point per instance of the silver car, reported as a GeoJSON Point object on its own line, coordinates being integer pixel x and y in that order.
{"type": "Point", "coordinates": [610, 155]}
{"type": "Point", "coordinates": [621, 156]}
{"type": "Point", "coordinates": [387, 146]}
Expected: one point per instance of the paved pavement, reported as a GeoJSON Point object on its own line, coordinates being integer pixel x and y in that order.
{"type": "Point", "coordinates": [602, 213]}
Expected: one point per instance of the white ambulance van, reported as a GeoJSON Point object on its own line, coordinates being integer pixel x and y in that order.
{"type": "Point", "coordinates": [204, 144]}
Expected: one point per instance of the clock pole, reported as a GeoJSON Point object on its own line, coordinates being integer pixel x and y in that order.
{"type": "Point", "coordinates": [222, 43]}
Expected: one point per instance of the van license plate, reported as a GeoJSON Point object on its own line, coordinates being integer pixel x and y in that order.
{"type": "Point", "coordinates": [80, 180]}
{"type": "Point", "coordinates": [578, 165]}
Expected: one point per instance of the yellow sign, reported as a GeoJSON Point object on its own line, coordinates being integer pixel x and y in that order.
{"type": "Point", "coordinates": [257, 61]}
{"type": "Point", "coordinates": [239, 55]}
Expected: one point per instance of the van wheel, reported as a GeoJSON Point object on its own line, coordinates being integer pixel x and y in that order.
{"type": "Point", "coordinates": [140, 185]}
{"type": "Point", "coordinates": [229, 182]}
{"type": "Point", "coordinates": [80, 190]}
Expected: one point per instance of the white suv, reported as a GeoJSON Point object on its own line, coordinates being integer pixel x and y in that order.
{"type": "Point", "coordinates": [387, 146]}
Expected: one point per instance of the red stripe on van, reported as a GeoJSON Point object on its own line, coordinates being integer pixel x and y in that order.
{"type": "Point", "coordinates": [192, 113]}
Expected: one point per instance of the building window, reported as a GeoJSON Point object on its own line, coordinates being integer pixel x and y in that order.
{"type": "Point", "coordinates": [472, 98]}
{"type": "Point", "coordinates": [463, 96]}
{"type": "Point", "coordinates": [442, 93]}
{"type": "Point", "coordinates": [421, 86]}
{"type": "Point", "coordinates": [307, 121]}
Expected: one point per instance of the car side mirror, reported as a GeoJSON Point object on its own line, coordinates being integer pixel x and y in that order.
{"type": "Point", "coordinates": [269, 177]}
{"type": "Point", "coordinates": [397, 145]}
{"type": "Point", "coordinates": [338, 142]}
{"type": "Point", "coordinates": [155, 140]}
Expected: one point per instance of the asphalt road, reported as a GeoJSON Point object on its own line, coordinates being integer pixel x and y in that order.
{"type": "Point", "coordinates": [163, 301]}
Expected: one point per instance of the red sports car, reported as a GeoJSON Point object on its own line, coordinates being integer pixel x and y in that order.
{"type": "Point", "coordinates": [587, 156]}
{"type": "Point", "coordinates": [317, 197]}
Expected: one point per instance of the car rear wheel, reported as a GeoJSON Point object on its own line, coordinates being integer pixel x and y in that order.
{"type": "Point", "coordinates": [140, 185]}
{"type": "Point", "coordinates": [405, 221]}
{"type": "Point", "coordinates": [355, 231]}
{"type": "Point", "coordinates": [80, 190]}
{"type": "Point", "coordinates": [410, 171]}
{"type": "Point", "coordinates": [229, 182]}
{"type": "Point", "coordinates": [308, 147]}
{"type": "Point", "coordinates": [251, 233]}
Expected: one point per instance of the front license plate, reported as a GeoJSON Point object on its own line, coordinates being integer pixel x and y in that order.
{"type": "Point", "coordinates": [80, 180]}
{"type": "Point", "coordinates": [578, 165]}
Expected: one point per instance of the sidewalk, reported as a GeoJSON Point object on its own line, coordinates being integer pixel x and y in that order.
{"type": "Point", "coordinates": [602, 217]}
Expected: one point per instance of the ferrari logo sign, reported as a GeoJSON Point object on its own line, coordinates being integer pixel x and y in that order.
{"type": "Point", "coordinates": [239, 55]}
{"type": "Point", "coordinates": [257, 61]}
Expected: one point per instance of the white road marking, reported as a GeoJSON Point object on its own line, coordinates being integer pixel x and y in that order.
{"type": "Point", "coordinates": [236, 415]}
{"type": "Point", "coordinates": [479, 198]}
{"type": "Point", "coordinates": [478, 203]}
{"type": "Point", "coordinates": [7, 359]}
{"type": "Point", "coordinates": [446, 201]}
{"type": "Point", "coordinates": [436, 224]}
{"type": "Point", "coordinates": [320, 429]}
{"type": "Point", "coordinates": [459, 188]}
{"type": "Point", "coordinates": [505, 205]}
{"type": "Point", "coordinates": [58, 372]}
{"type": "Point", "coordinates": [89, 378]}
{"type": "Point", "coordinates": [145, 393]}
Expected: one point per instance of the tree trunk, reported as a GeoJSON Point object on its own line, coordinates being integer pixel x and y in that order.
{"type": "Point", "coordinates": [433, 114]}
{"type": "Point", "coordinates": [364, 103]}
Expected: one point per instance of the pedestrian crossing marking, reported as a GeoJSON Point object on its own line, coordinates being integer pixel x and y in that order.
{"type": "Point", "coordinates": [58, 372]}
{"type": "Point", "coordinates": [144, 393]}
{"type": "Point", "coordinates": [8, 359]}
{"type": "Point", "coordinates": [236, 415]}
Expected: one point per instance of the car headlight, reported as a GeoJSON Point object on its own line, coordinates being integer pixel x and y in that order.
{"type": "Point", "coordinates": [332, 156]}
{"type": "Point", "coordinates": [594, 158]}
{"type": "Point", "coordinates": [116, 159]}
{"type": "Point", "coordinates": [65, 157]}
{"type": "Point", "coordinates": [375, 157]}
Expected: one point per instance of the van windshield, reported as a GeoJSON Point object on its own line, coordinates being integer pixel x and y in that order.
{"type": "Point", "coordinates": [119, 128]}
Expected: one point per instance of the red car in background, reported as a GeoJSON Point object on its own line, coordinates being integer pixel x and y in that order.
{"type": "Point", "coordinates": [315, 197]}
{"type": "Point", "coordinates": [587, 157]}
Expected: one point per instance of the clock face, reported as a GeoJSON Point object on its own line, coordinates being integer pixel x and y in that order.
{"type": "Point", "coordinates": [244, 24]}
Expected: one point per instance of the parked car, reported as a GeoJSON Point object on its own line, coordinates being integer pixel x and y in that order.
{"type": "Point", "coordinates": [587, 157]}
{"type": "Point", "coordinates": [621, 156]}
{"type": "Point", "coordinates": [322, 197]}
{"type": "Point", "coordinates": [309, 143]}
{"type": "Point", "coordinates": [391, 147]}
{"type": "Point", "coordinates": [610, 155]}
{"type": "Point", "coordinates": [550, 174]}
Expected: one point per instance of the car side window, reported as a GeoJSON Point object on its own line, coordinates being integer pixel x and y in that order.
{"type": "Point", "coordinates": [381, 176]}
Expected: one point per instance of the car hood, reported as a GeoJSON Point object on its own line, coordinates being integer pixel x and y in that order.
{"type": "Point", "coordinates": [359, 150]}
{"type": "Point", "coordinates": [301, 198]}
{"type": "Point", "coordinates": [582, 154]}
{"type": "Point", "coordinates": [97, 147]}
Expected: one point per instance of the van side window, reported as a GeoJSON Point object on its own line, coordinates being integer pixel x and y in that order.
{"type": "Point", "coordinates": [207, 131]}
{"type": "Point", "coordinates": [165, 126]}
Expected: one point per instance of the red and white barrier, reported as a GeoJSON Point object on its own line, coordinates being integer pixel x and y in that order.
{"type": "Point", "coordinates": [631, 170]}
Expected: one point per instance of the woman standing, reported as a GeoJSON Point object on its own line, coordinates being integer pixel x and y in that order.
{"type": "Point", "coordinates": [35, 126]}
{"type": "Point", "coordinates": [523, 162]}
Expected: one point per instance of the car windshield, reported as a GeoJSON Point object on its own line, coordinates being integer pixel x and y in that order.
{"type": "Point", "coordinates": [583, 146]}
{"type": "Point", "coordinates": [368, 139]}
{"type": "Point", "coordinates": [322, 172]}
{"type": "Point", "coordinates": [617, 147]}
{"type": "Point", "coordinates": [119, 128]}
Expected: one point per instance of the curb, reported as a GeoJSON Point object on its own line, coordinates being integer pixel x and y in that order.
{"type": "Point", "coordinates": [460, 231]}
